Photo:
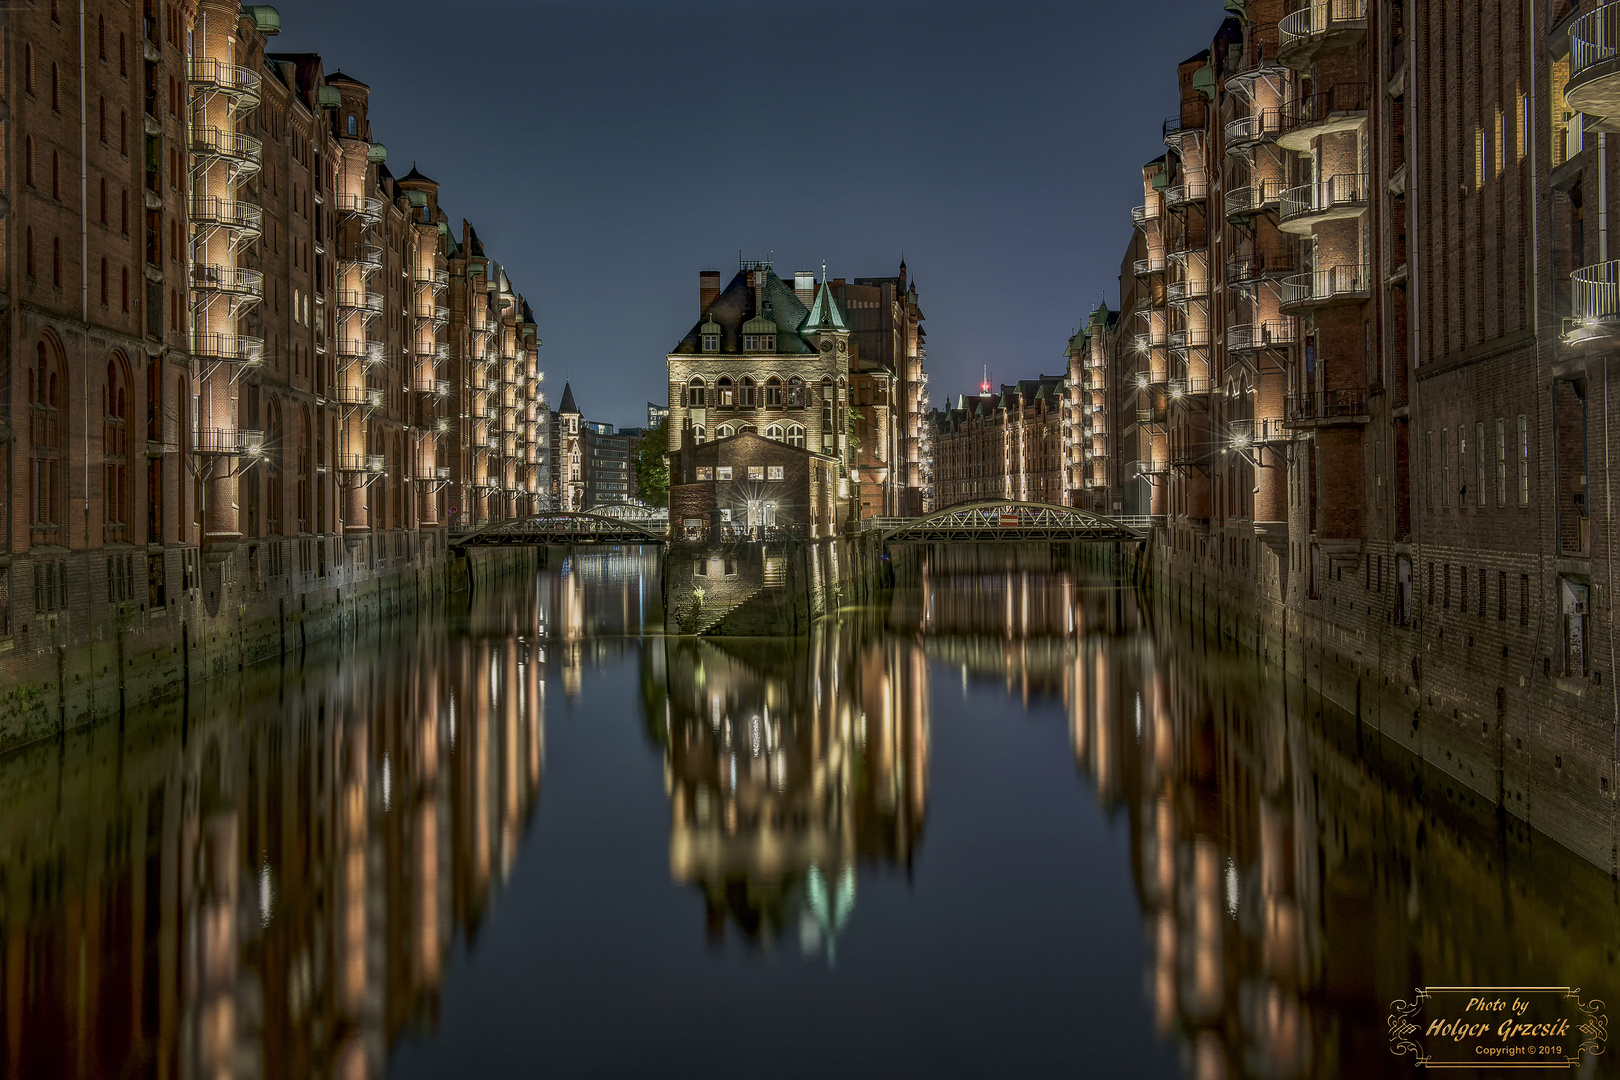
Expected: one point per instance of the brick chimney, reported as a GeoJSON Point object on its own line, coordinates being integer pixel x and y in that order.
{"type": "Point", "coordinates": [708, 288]}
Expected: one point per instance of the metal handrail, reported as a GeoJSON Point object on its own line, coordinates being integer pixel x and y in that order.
{"type": "Point", "coordinates": [1334, 193]}
{"type": "Point", "coordinates": [1594, 39]}
{"type": "Point", "coordinates": [216, 142]}
{"type": "Point", "coordinates": [227, 213]}
{"type": "Point", "coordinates": [1316, 20]}
{"type": "Point", "coordinates": [227, 348]}
{"type": "Point", "coordinates": [1261, 335]}
{"type": "Point", "coordinates": [204, 71]}
{"type": "Point", "coordinates": [1349, 279]}
{"type": "Point", "coordinates": [207, 277]}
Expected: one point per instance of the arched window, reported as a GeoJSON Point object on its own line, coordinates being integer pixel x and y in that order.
{"type": "Point", "coordinates": [56, 88]}
{"type": "Point", "coordinates": [105, 290]}
{"type": "Point", "coordinates": [725, 431]}
{"type": "Point", "coordinates": [795, 393]}
{"type": "Point", "coordinates": [354, 124]}
{"type": "Point", "coordinates": [745, 394]}
{"type": "Point", "coordinates": [774, 432]}
{"type": "Point", "coordinates": [28, 67]}
{"type": "Point", "coordinates": [28, 250]}
{"type": "Point", "coordinates": [124, 290]}
{"type": "Point", "coordinates": [724, 396]}
{"type": "Point", "coordinates": [275, 449]}
{"type": "Point", "coordinates": [694, 394]}
{"type": "Point", "coordinates": [827, 397]}
{"type": "Point", "coordinates": [29, 176]}
{"type": "Point", "coordinates": [56, 261]}
{"type": "Point", "coordinates": [47, 497]}
{"type": "Point", "coordinates": [698, 436]}
{"type": "Point", "coordinates": [773, 393]}
{"type": "Point", "coordinates": [116, 494]}
{"type": "Point", "coordinates": [795, 436]}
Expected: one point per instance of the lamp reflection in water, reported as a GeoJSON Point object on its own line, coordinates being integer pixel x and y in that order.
{"type": "Point", "coordinates": [779, 794]}
{"type": "Point", "coordinates": [216, 888]}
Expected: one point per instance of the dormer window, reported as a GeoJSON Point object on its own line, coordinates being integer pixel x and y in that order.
{"type": "Point", "coordinates": [711, 342]}
{"type": "Point", "coordinates": [759, 343]}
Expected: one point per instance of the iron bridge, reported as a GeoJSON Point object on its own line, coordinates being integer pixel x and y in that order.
{"type": "Point", "coordinates": [563, 528]}
{"type": "Point", "coordinates": [1010, 522]}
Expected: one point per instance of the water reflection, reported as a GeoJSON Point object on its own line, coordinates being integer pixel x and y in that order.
{"type": "Point", "coordinates": [275, 878]}
{"type": "Point", "coordinates": [788, 766]}
{"type": "Point", "coordinates": [265, 879]}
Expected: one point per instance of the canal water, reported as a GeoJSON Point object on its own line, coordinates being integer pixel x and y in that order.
{"type": "Point", "coordinates": [1007, 823]}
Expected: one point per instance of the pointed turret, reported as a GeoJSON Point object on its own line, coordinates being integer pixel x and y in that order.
{"type": "Point", "coordinates": [567, 405]}
{"type": "Point", "coordinates": [824, 313]}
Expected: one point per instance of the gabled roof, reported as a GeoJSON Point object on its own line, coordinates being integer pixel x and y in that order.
{"type": "Point", "coordinates": [339, 77]}
{"type": "Point", "coordinates": [735, 306]}
{"type": "Point", "coordinates": [415, 175]}
{"type": "Point", "coordinates": [824, 313]}
{"type": "Point", "coordinates": [567, 405]}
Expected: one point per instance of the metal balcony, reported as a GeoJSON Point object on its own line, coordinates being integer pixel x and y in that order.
{"type": "Point", "coordinates": [213, 144]}
{"type": "Point", "coordinates": [357, 350]}
{"type": "Point", "coordinates": [1341, 107]}
{"type": "Point", "coordinates": [1257, 432]}
{"type": "Point", "coordinates": [228, 280]}
{"type": "Point", "coordinates": [1182, 389]}
{"type": "Point", "coordinates": [437, 279]}
{"type": "Point", "coordinates": [221, 442]}
{"type": "Point", "coordinates": [366, 397]}
{"type": "Point", "coordinates": [1153, 264]}
{"type": "Point", "coordinates": [1594, 65]}
{"type": "Point", "coordinates": [1193, 338]}
{"type": "Point", "coordinates": [1347, 284]}
{"type": "Point", "coordinates": [1301, 209]}
{"type": "Point", "coordinates": [366, 303]}
{"type": "Point", "coordinates": [1257, 197]}
{"type": "Point", "coordinates": [362, 463]}
{"type": "Point", "coordinates": [1256, 62]}
{"type": "Point", "coordinates": [1254, 267]}
{"type": "Point", "coordinates": [227, 348]}
{"type": "Point", "coordinates": [1244, 133]}
{"type": "Point", "coordinates": [240, 218]}
{"type": "Point", "coordinates": [1321, 26]}
{"type": "Point", "coordinates": [1252, 337]}
{"type": "Point", "coordinates": [437, 314]}
{"type": "Point", "coordinates": [1150, 467]}
{"type": "Point", "coordinates": [1349, 404]}
{"type": "Point", "coordinates": [1594, 302]}
{"type": "Point", "coordinates": [1141, 215]}
{"type": "Point", "coordinates": [365, 257]}
{"type": "Point", "coordinates": [1179, 128]}
{"type": "Point", "coordinates": [364, 208]}
{"type": "Point", "coordinates": [1194, 185]}
{"type": "Point", "coordinates": [208, 75]}
{"type": "Point", "coordinates": [1183, 289]}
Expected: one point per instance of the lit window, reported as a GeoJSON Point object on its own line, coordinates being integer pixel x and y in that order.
{"type": "Point", "coordinates": [756, 472]}
{"type": "Point", "coordinates": [724, 472]}
{"type": "Point", "coordinates": [773, 472]}
{"type": "Point", "coordinates": [705, 472]}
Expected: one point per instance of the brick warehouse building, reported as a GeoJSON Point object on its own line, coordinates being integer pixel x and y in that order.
{"type": "Point", "coordinates": [256, 373]}
{"type": "Point", "coordinates": [1004, 445]}
{"type": "Point", "coordinates": [1360, 374]}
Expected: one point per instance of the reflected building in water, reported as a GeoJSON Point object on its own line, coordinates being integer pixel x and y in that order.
{"type": "Point", "coordinates": [595, 606]}
{"type": "Point", "coordinates": [788, 767]}
{"type": "Point", "coordinates": [270, 889]}
{"type": "Point", "coordinates": [1296, 874]}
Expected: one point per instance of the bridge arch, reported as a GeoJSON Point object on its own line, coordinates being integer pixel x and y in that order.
{"type": "Point", "coordinates": [994, 520]}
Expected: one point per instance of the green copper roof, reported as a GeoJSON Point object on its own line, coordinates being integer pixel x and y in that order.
{"type": "Point", "coordinates": [761, 323]}
{"type": "Point", "coordinates": [824, 313]}
{"type": "Point", "coordinates": [710, 326]}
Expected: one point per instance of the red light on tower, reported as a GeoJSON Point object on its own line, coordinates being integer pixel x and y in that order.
{"type": "Point", "coordinates": [984, 384]}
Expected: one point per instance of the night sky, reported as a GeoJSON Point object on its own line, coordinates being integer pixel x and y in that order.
{"type": "Point", "coordinates": [608, 150]}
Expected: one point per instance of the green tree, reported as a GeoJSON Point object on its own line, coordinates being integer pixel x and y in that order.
{"type": "Point", "coordinates": [652, 472]}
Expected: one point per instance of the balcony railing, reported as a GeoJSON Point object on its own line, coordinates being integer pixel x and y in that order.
{"type": "Point", "coordinates": [1594, 300]}
{"type": "Point", "coordinates": [1150, 467]}
{"type": "Point", "coordinates": [239, 217]}
{"type": "Point", "coordinates": [1244, 132]}
{"type": "Point", "coordinates": [358, 350]}
{"type": "Point", "coordinates": [364, 256]}
{"type": "Point", "coordinates": [1186, 289]}
{"type": "Point", "coordinates": [367, 397]}
{"type": "Point", "coordinates": [237, 280]}
{"type": "Point", "coordinates": [230, 146]}
{"type": "Point", "coordinates": [1254, 266]}
{"type": "Point", "coordinates": [1340, 107]}
{"type": "Point", "coordinates": [1335, 284]}
{"type": "Point", "coordinates": [1276, 334]}
{"type": "Point", "coordinates": [1153, 264]}
{"type": "Point", "coordinates": [1189, 387]}
{"type": "Point", "coordinates": [1256, 197]}
{"type": "Point", "coordinates": [1141, 215]}
{"type": "Point", "coordinates": [1303, 207]}
{"type": "Point", "coordinates": [1193, 338]}
{"type": "Point", "coordinates": [1319, 24]}
{"type": "Point", "coordinates": [364, 207]}
{"type": "Point", "coordinates": [434, 278]}
{"type": "Point", "coordinates": [1188, 122]}
{"type": "Point", "coordinates": [369, 303]}
{"type": "Point", "coordinates": [1594, 45]}
{"type": "Point", "coordinates": [1258, 432]}
{"type": "Point", "coordinates": [1327, 405]}
{"type": "Point", "coordinates": [227, 348]}
{"type": "Point", "coordinates": [227, 443]}
{"type": "Point", "coordinates": [362, 463]}
{"type": "Point", "coordinates": [1194, 185]}
{"type": "Point", "coordinates": [207, 74]}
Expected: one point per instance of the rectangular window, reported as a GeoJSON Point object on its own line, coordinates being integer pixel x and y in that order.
{"type": "Point", "coordinates": [700, 567]}
{"type": "Point", "coordinates": [756, 472]}
{"type": "Point", "coordinates": [1462, 590]}
{"type": "Point", "coordinates": [1445, 592]}
{"type": "Point", "coordinates": [773, 472]}
{"type": "Point", "coordinates": [1479, 157]}
{"type": "Point", "coordinates": [1482, 592]}
{"type": "Point", "coordinates": [1524, 462]}
{"type": "Point", "coordinates": [1573, 597]}
{"type": "Point", "coordinates": [1428, 470]}
{"type": "Point", "coordinates": [1500, 141]}
{"type": "Point", "coordinates": [1524, 599]}
{"type": "Point", "coordinates": [1501, 463]}
{"type": "Point", "coordinates": [1430, 575]}
{"type": "Point", "coordinates": [1445, 467]}
{"type": "Point", "coordinates": [1479, 463]}
{"type": "Point", "coordinates": [705, 472]}
{"type": "Point", "coordinates": [1462, 465]}
{"type": "Point", "coordinates": [1519, 139]}
{"type": "Point", "coordinates": [723, 472]}
{"type": "Point", "coordinates": [1501, 596]}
